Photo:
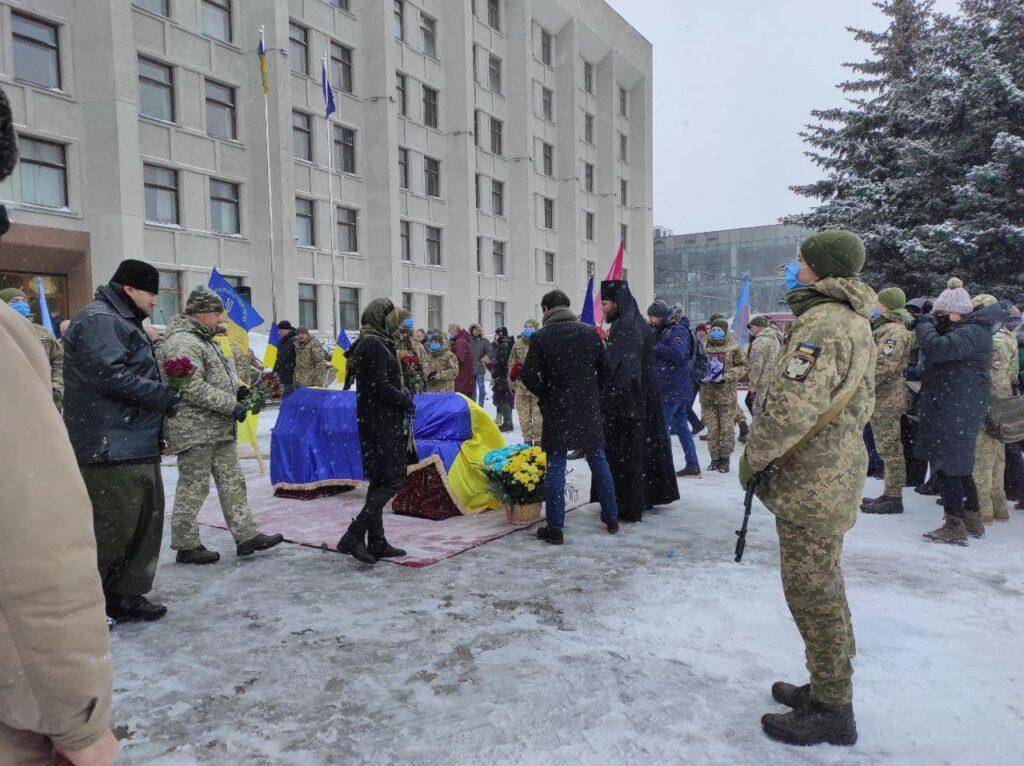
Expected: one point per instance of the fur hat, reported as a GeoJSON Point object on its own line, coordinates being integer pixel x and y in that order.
{"type": "Point", "coordinates": [11, 293]}
{"type": "Point", "coordinates": [892, 298]}
{"type": "Point", "coordinates": [203, 300]}
{"type": "Point", "coordinates": [954, 299]}
{"type": "Point", "coordinates": [834, 253]}
{"type": "Point", "coordinates": [759, 321]}
{"type": "Point", "coordinates": [137, 274]}
{"type": "Point", "coordinates": [659, 309]}
{"type": "Point", "coordinates": [610, 289]}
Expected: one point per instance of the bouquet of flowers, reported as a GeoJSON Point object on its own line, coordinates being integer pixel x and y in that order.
{"type": "Point", "coordinates": [515, 474]}
{"type": "Point", "coordinates": [255, 398]}
{"type": "Point", "coordinates": [179, 372]}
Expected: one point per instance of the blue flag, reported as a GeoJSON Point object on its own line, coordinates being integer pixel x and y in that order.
{"type": "Point", "coordinates": [329, 107]}
{"type": "Point", "coordinates": [742, 316]}
{"type": "Point", "coordinates": [44, 310]}
{"type": "Point", "coordinates": [587, 314]}
{"type": "Point", "coordinates": [235, 306]}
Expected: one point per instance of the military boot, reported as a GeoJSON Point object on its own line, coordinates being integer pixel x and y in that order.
{"type": "Point", "coordinates": [723, 465]}
{"type": "Point", "coordinates": [199, 555]}
{"type": "Point", "coordinates": [973, 524]}
{"type": "Point", "coordinates": [353, 542]}
{"type": "Point", "coordinates": [952, 532]}
{"type": "Point", "coordinates": [791, 696]}
{"type": "Point", "coordinates": [713, 465]}
{"type": "Point", "coordinates": [884, 504]}
{"type": "Point", "coordinates": [999, 513]}
{"type": "Point", "coordinates": [744, 432]}
{"type": "Point", "coordinates": [134, 609]}
{"type": "Point", "coordinates": [812, 725]}
{"type": "Point", "coordinates": [260, 542]}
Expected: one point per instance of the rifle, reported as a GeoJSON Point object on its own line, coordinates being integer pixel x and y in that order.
{"type": "Point", "coordinates": [748, 504]}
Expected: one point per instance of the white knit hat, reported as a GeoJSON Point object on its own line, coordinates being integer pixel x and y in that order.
{"type": "Point", "coordinates": [954, 299]}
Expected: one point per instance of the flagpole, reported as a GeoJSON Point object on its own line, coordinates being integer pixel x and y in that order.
{"type": "Point", "coordinates": [270, 192]}
{"type": "Point", "coordinates": [330, 188]}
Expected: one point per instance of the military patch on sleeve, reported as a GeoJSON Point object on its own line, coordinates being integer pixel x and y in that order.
{"type": "Point", "coordinates": [888, 347]}
{"type": "Point", "coordinates": [801, 362]}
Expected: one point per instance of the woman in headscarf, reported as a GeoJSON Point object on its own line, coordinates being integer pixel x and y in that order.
{"type": "Point", "coordinates": [383, 410]}
{"type": "Point", "coordinates": [499, 378]}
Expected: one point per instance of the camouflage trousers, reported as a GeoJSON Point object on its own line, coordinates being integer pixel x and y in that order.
{"type": "Point", "coordinates": [989, 467]}
{"type": "Point", "coordinates": [889, 442]}
{"type": "Point", "coordinates": [530, 421]}
{"type": "Point", "coordinates": [718, 410]}
{"type": "Point", "coordinates": [195, 466]}
{"type": "Point", "coordinates": [812, 580]}
{"type": "Point", "coordinates": [740, 417]}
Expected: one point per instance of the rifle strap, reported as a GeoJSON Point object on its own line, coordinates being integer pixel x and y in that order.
{"type": "Point", "coordinates": [823, 420]}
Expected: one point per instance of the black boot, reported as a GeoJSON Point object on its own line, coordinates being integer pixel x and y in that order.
{"type": "Point", "coordinates": [744, 431]}
{"type": "Point", "coordinates": [506, 427]}
{"type": "Point", "coordinates": [723, 465]}
{"type": "Point", "coordinates": [198, 555]}
{"type": "Point", "coordinates": [260, 542]}
{"type": "Point", "coordinates": [691, 471]}
{"type": "Point", "coordinates": [812, 725]}
{"type": "Point", "coordinates": [379, 545]}
{"type": "Point", "coordinates": [884, 504]}
{"type": "Point", "coordinates": [791, 696]}
{"type": "Point", "coordinates": [134, 609]}
{"type": "Point", "coordinates": [713, 465]}
{"type": "Point", "coordinates": [353, 542]}
{"type": "Point", "coordinates": [700, 427]}
{"type": "Point", "coordinates": [552, 536]}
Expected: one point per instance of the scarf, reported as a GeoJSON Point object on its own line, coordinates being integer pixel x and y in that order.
{"type": "Point", "coordinates": [558, 314]}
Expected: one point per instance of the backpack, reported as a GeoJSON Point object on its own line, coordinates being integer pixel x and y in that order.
{"type": "Point", "coordinates": [701, 366]}
{"type": "Point", "coordinates": [1004, 420]}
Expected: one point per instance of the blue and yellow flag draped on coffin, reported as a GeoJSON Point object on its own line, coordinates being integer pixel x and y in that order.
{"type": "Point", "coordinates": [316, 443]}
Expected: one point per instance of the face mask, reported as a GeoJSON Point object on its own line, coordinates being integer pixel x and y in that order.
{"type": "Point", "coordinates": [451, 337]}
{"type": "Point", "coordinates": [717, 334]}
{"type": "Point", "coordinates": [434, 345]}
{"type": "Point", "coordinates": [943, 322]}
{"type": "Point", "coordinates": [792, 283]}
{"type": "Point", "coordinates": [408, 324]}
{"type": "Point", "coordinates": [528, 332]}
{"type": "Point", "coordinates": [875, 314]}
{"type": "Point", "coordinates": [22, 308]}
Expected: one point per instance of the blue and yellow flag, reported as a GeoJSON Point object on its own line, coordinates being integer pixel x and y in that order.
{"type": "Point", "coordinates": [270, 355]}
{"type": "Point", "coordinates": [338, 360]}
{"type": "Point", "coordinates": [261, 51]}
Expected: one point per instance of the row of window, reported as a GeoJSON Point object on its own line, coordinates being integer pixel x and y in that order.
{"type": "Point", "coordinates": [428, 29]}
{"type": "Point", "coordinates": [430, 100]}
{"type": "Point", "coordinates": [214, 16]}
{"type": "Point", "coordinates": [163, 205]}
{"type": "Point", "coordinates": [339, 58]}
{"type": "Point", "coordinates": [431, 173]}
{"type": "Point", "coordinates": [343, 159]}
{"type": "Point", "coordinates": [346, 222]}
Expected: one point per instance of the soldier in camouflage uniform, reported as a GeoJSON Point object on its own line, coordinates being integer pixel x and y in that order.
{"type": "Point", "coordinates": [718, 402]}
{"type": "Point", "coordinates": [18, 301]}
{"type": "Point", "coordinates": [310, 361]}
{"type": "Point", "coordinates": [527, 404]}
{"type": "Point", "coordinates": [826, 371]}
{"type": "Point", "coordinates": [989, 453]}
{"type": "Point", "coordinates": [893, 343]}
{"type": "Point", "coordinates": [203, 433]}
{"type": "Point", "coordinates": [439, 365]}
{"type": "Point", "coordinates": [410, 353]}
{"type": "Point", "coordinates": [739, 419]}
{"type": "Point", "coordinates": [763, 353]}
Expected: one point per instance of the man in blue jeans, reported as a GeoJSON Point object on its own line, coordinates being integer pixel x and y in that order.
{"type": "Point", "coordinates": [673, 368]}
{"type": "Point", "coordinates": [564, 368]}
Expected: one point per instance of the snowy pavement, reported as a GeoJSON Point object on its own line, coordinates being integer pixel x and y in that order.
{"type": "Point", "coordinates": [649, 647]}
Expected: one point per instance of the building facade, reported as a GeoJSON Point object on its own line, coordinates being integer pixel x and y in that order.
{"type": "Point", "coordinates": [483, 151]}
{"type": "Point", "coordinates": [705, 271]}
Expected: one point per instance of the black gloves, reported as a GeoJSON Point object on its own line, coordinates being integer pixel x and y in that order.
{"type": "Point", "coordinates": [240, 413]}
{"type": "Point", "coordinates": [172, 407]}
{"type": "Point", "coordinates": [925, 319]}
{"type": "Point", "coordinates": [243, 391]}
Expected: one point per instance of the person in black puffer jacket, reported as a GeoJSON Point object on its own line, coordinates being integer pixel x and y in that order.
{"type": "Point", "coordinates": [500, 387]}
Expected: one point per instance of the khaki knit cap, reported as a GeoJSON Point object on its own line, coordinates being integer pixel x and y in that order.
{"type": "Point", "coordinates": [892, 298]}
{"type": "Point", "coordinates": [759, 321]}
{"type": "Point", "coordinates": [834, 253]}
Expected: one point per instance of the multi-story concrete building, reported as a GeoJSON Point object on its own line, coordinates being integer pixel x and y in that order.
{"type": "Point", "coordinates": [483, 151]}
{"type": "Point", "coordinates": [705, 271]}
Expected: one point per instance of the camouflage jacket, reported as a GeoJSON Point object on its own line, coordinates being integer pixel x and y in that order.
{"type": "Point", "coordinates": [205, 415]}
{"type": "Point", "coordinates": [893, 342]}
{"type": "Point", "coordinates": [55, 356]}
{"type": "Point", "coordinates": [761, 358]}
{"type": "Point", "coordinates": [1005, 364]}
{"type": "Point", "coordinates": [310, 364]}
{"type": "Point", "coordinates": [439, 370]}
{"type": "Point", "coordinates": [733, 359]}
{"type": "Point", "coordinates": [408, 349]}
{"type": "Point", "coordinates": [518, 357]}
{"type": "Point", "coordinates": [829, 352]}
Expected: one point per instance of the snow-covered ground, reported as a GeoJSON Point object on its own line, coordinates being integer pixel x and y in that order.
{"type": "Point", "coordinates": [649, 647]}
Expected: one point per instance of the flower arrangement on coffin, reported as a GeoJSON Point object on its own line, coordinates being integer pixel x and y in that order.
{"type": "Point", "coordinates": [515, 476]}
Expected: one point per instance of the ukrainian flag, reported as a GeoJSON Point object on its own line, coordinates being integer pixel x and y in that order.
{"type": "Point", "coordinates": [270, 355]}
{"type": "Point", "coordinates": [338, 360]}
{"type": "Point", "coordinates": [261, 51]}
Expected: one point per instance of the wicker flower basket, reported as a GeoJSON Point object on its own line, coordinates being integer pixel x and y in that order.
{"type": "Point", "coordinates": [522, 514]}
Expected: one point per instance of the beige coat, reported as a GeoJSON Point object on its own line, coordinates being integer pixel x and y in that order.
{"type": "Point", "coordinates": [55, 671]}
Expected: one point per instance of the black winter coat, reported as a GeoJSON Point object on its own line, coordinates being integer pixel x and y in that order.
{"type": "Point", "coordinates": [955, 382]}
{"type": "Point", "coordinates": [284, 365]}
{"type": "Point", "coordinates": [565, 369]}
{"type": "Point", "coordinates": [113, 398]}
{"type": "Point", "coordinates": [499, 368]}
{"type": "Point", "coordinates": [381, 409]}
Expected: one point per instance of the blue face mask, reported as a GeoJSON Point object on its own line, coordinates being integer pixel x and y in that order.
{"type": "Point", "coordinates": [875, 314]}
{"type": "Point", "coordinates": [717, 334]}
{"type": "Point", "coordinates": [434, 346]}
{"type": "Point", "coordinates": [408, 324]}
{"type": "Point", "coordinates": [528, 332]}
{"type": "Point", "coordinates": [22, 308]}
{"type": "Point", "coordinates": [792, 283]}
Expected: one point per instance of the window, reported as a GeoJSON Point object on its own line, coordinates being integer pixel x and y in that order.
{"type": "Point", "coordinates": [477, 183]}
{"type": "Point", "coordinates": [431, 177]}
{"type": "Point", "coordinates": [588, 128]}
{"type": "Point", "coordinates": [298, 48]}
{"type": "Point", "coordinates": [494, 14]}
{"type": "Point", "coordinates": [168, 297]}
{"type": "Point", "coordinates": [497, 130]}
{"type": "Point", "coordinates": [224, 207]}
{"type": "Point", "coordinates": [545, 47]}
{"type": "Point", "coordinates": [549, 213]}
{"type": "Point", "coordinates": [159, 7]}
{"type": "Point", "coordinates": [407, 302]}
{"type": "Point", "coordinates": [480, 255]}
{"type": "Point", "coordinates": [624, 238]}
{"type": "Point", "coordinates": [588, 226]}
{"type": "Point", "coordinates": [344, 149]}
{"type": "Point", "coordinates": [156, 90]}
{"type": "Point", "coordinates": [405, 229]}
{"type": "Point", "coordinates": [433, 246]}
{"type": "Point", "coordinates": [307, 306]}
{"type": "Point", "coordinates": [499, 314]}
{"type": "Point", "coordinates": [623, 147]}
{"type": "Point", "coordinates": [342, 4]}
{"type": "Point", "coordinates": [480, 312]}
{"type": "Point", "coordinates": [588, 77]}
{"type": "Point", "coordinates": [588, 177]}
{"type": "Point", "coordinates": [36, 49]}
{"type": "Point", "coordinates": [476, 127]}
{"type": "Point", "coordinates": [400, 93]}
{"type": "Point", "coordinates": [591, 268]}
{"type": "Point", "coordinates": [494, 73]}
{"type": "Point", "coordinates": [623, 189]}
{"type": "Point", "coordinates": [305, 222]}
{"type": "Point", "coordinates": [348, 306]}
{"type": "Point", "coordinates": [549, 267]}
{"type": "Point", "coordinates": [43, 167]}
{"type": "Point", "coordinates": [548, 155]}
{"type": "Point", "coordinates": [403, 168]}
{"type": "Point", "coordinates": [161, 189]}
{"type": "Point", "coordinates": [341, 67]}
{"type": "Point", "coordinates": [428, 35]}
{"type": "Point", "coordinates": [497, 197]}
{"type": "Point", "coordinates": [498, 258]}
{"type": "Point", "coordinates": [302, 137]}
{"type": "Point", "coordinates": [547, 104]}
{"type": "Point", "coordinates": [435, 311]}
{"type": "Point", "coordinates": [398, 26]}
{"type": "Point", "coordinates": [217, 19]}
{"type": "Point", "coordinates": [348, 230]}
{"type": "Point", "coordinates": [623, 102]}
{"type": "Point", "coordinates": [429, 107]}
{"type": "Point", "coordinates": [220, 110]}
